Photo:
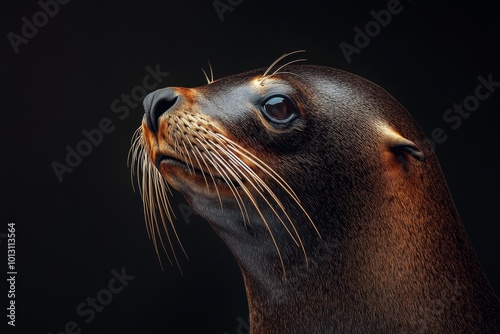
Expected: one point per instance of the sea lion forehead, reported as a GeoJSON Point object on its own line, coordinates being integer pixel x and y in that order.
{"type": "Point", "coordinates": [249, 87]}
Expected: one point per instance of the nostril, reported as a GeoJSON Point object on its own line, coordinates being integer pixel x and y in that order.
{"type": "Point", "coordinates": [158, 109]}
{"type": "Point", "coordinates": [157, 103]}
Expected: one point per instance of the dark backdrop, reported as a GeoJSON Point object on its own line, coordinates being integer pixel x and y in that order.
{"type": "Point", "coordinates": [72, 234]}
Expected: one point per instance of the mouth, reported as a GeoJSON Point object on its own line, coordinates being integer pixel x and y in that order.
{"type": "Point", "coordinates": [195, 172]}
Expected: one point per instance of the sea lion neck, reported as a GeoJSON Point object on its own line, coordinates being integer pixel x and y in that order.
{"type": "Point", "coordinates": [374, 268]}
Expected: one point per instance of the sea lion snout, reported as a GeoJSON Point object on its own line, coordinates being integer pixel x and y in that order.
{"type": "Point", "coordinates": [156, 104]}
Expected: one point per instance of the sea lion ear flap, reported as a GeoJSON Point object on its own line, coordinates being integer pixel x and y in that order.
{"type": "Point", "coordinates": [399, 144]}
{"type": "Point", "coordinates": [409, 147]}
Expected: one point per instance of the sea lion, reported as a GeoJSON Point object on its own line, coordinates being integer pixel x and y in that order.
{"type": "Point", "coordinates": [328, 195]}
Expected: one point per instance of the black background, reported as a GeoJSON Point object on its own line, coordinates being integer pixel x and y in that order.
{"type": "Point", "coordinates": [70, 235]}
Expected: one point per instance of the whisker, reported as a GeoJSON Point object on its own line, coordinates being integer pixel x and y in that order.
{"type": "Point", "coordinates": [145, 191]}
{"type": "Point", "coordinates": [266, 224]}
{"type": "Point", "coordinates": [135, 150]}
{"type": "Point", "coordinates": [232, 188]}
{"type": "Point", "coordinates": [185, 154]}
{"type": "Point", "coordinates": [198, 162]}
{"type": "Point", "coordinates": [208, 168]}
{"type": "Point", "coordinates": [278, 202]}
{"type": "Point", "coordinates": [259, 163]}
{"type": "Point", "coordinates": [164, 215]}
{"type": "Point", "coordinates": [189, 157]}
{"type": "Point", "coordinates": [279, 68]}
{"type": "Point", "coordinates": [277, 61]}
{"type": "Point", "coordinates": [206, 76]}
{"type": "Point", "coordinates": [209, 81]}
{"type": "Point", "coordinates": [211, 175]}
{"type": "Point", "coordinates": [211, 72]}
{"type": "Point", "coordinates": [239, 200]}
{"type": "Point", "coordinates": [270, 172]}
{"type": "Point", "coordinates": [235, 161]}
{"type": "Point", "coordinates": [152, 216]}
{"type": "Point", "coordinates": [153, 189]}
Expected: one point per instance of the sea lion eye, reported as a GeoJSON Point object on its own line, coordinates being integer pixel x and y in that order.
{"type": "Point", "coordinates": [279, 109]}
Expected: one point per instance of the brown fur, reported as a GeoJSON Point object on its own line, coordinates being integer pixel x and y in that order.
{"type": "Point", "coordinates": [393, 256]}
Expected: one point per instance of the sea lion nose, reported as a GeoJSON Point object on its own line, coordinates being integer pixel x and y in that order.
{"type": "Point", "coordinates": [157, 103]}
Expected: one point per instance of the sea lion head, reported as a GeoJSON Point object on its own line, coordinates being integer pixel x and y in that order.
{"type": "Point", "coordinates": [274, 161]}
{"type": "Point", "coordinates": [317, 181]}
